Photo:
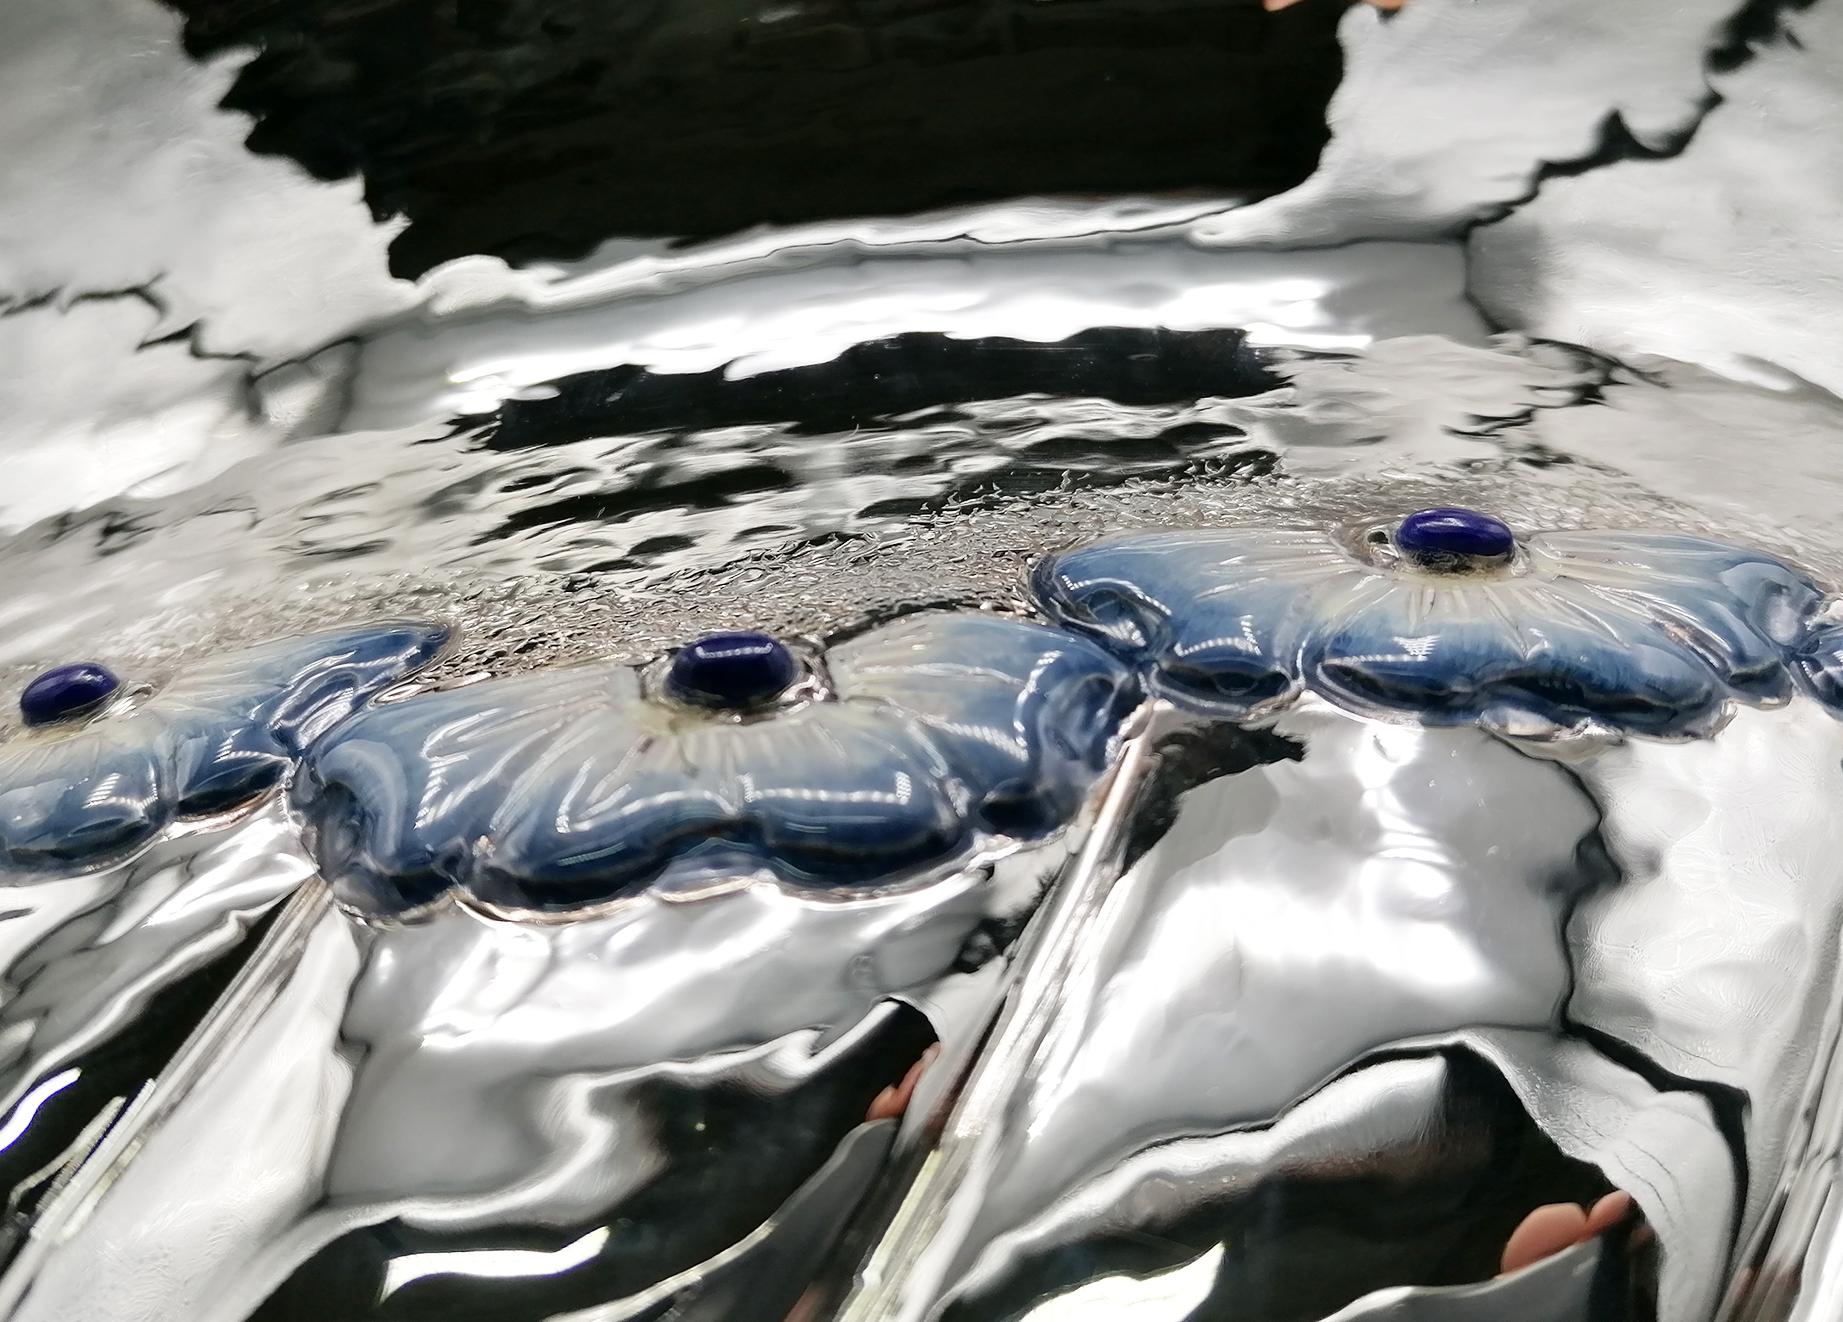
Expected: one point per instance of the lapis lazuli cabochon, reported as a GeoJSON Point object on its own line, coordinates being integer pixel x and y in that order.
{"type": "Point", "coordinates": [1450, 538]}
{"type": "Point", "coordinates": [66, 691]}
{"type": "Point", "coordinates": [734, 670]}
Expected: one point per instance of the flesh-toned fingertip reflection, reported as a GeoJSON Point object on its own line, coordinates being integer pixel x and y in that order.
{"type": "Point", "coordinates": [893, 1102]}
{"type": "Point", "coordinates": [1552, 1227]}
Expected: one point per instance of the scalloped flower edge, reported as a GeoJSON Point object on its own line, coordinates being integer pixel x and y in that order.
{"type": "Point", "coordinates": [922, 740]}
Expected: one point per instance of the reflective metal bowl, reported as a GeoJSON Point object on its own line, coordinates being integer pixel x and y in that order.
{"type": "Point", "coordinates": [938, 661]}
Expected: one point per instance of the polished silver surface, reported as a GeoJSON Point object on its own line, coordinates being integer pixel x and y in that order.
{"type": "Point", "coordinates": [647, 1095]}
{"type": "Point", "coordinates": [1394, 890]}
{"type": "Point", "coordinates": [1307, 1013]}
{"type": "Point", "coordinates": [105, 974]}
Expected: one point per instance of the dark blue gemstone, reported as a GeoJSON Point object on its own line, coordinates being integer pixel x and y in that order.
{"type": "Point", "coordinates": [734, 670]}
{"type": "Point", "coordinates": [1453, 538]}
{"type": "Point", "coordinates": [66, 691]}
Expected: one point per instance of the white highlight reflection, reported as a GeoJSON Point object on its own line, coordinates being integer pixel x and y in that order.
{"type": "Point", "coordinates": [1173, 1294]}
{"type": "Point", "coordinates": [499, 1263]}
{"type": "Point", "coordinates": [27, 1111]}
{"type": "Point", "coordinates": [755, 317]}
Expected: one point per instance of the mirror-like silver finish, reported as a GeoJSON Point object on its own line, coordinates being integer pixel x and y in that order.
{"type": "Point", "coordinates": [1309, 1016]}
{"type": "Point", "coordinates": [1396, 889]}
{"type": "Point", "coordinates": [103, 975]}
{"type": "Point", "coordinates": [596, 1084]}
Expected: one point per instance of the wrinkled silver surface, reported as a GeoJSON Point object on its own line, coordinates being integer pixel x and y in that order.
{"type": "Point", "coordinates": [84, 958]}
{"type": "Point", "coordinates": [1372, 963]}
{"type": "Point", "coordinates": [1401, 884]}
{"type": "Point", "coordinates": [471, 1079]}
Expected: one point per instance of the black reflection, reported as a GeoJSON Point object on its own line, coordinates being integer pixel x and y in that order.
{"type": "Point", "coordinates": [651, 493]}
{"type": "Point", "coordinates": [536, 128]}
{"type": "Point", "coordinates": [1193, 756]}
{"type": "Point", "coordinates": [888, 430]}
{"type": "Point", "coordinates": [1301, 1243]}
{"type": "Point", "coordinates": [895, 378]}
{"type": "Point", "coordinates": [736, 1154]}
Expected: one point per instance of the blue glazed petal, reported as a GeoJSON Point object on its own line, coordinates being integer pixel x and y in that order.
{"type": "Point", "coordinates": [1736, 609]}
{"type": "Point", "coordinates": [1645, 633]}
{"type": "Point", "coordinates": [1216, 615]}
{"type": "Point", "coordinates": [218, 736]}
{"type": "Point", "coordinates": [92, 796]}
{"type": "Point", "coordinates": [831, 794]}
{"type": "Point", "coordinates": [1023, 714]}
{"type": "Point", "coordinates": [575, 787]}
{"type": "Point", "coordinates": [1535, 665]}
{"type": "Point", "coordinates": [399, 797]}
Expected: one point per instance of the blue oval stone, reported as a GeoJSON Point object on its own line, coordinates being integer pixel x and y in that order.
{"type": "Point", "coordinates": [733, 670]}
{"type": "Point", "coordinates": [1453, 538]}
{"type": "Point", "coordinates": [66, 691]}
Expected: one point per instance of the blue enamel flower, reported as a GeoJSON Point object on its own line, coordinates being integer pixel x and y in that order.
{"type": "Point", "coordinates": [98, 773]}
{"type": "Point", "coordinates": [579, 786]}
{"type": "Point", "coordinates": [1451, 621]}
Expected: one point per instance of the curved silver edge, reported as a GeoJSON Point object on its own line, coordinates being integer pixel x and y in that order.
{"type": "Point", "coordinates": [1793, 1266]}
{"type": "Point", "coordinates": [260, 983]}
{"type": "Point", "coordinates": [906, 1247]}
{"type": "Point", "coordinates": [255, 985]}
{"type": "Point", "coordinates": [1793, 1269]}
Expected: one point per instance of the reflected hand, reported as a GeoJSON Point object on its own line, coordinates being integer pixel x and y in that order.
{"type": "Point", "coordinates": [894, 1100]}
{"type": "Point", "coordinates": [1557, 1226]}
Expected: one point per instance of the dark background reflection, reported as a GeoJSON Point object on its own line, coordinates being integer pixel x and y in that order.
{"type": "Point", "coordinates": [537, 128]}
